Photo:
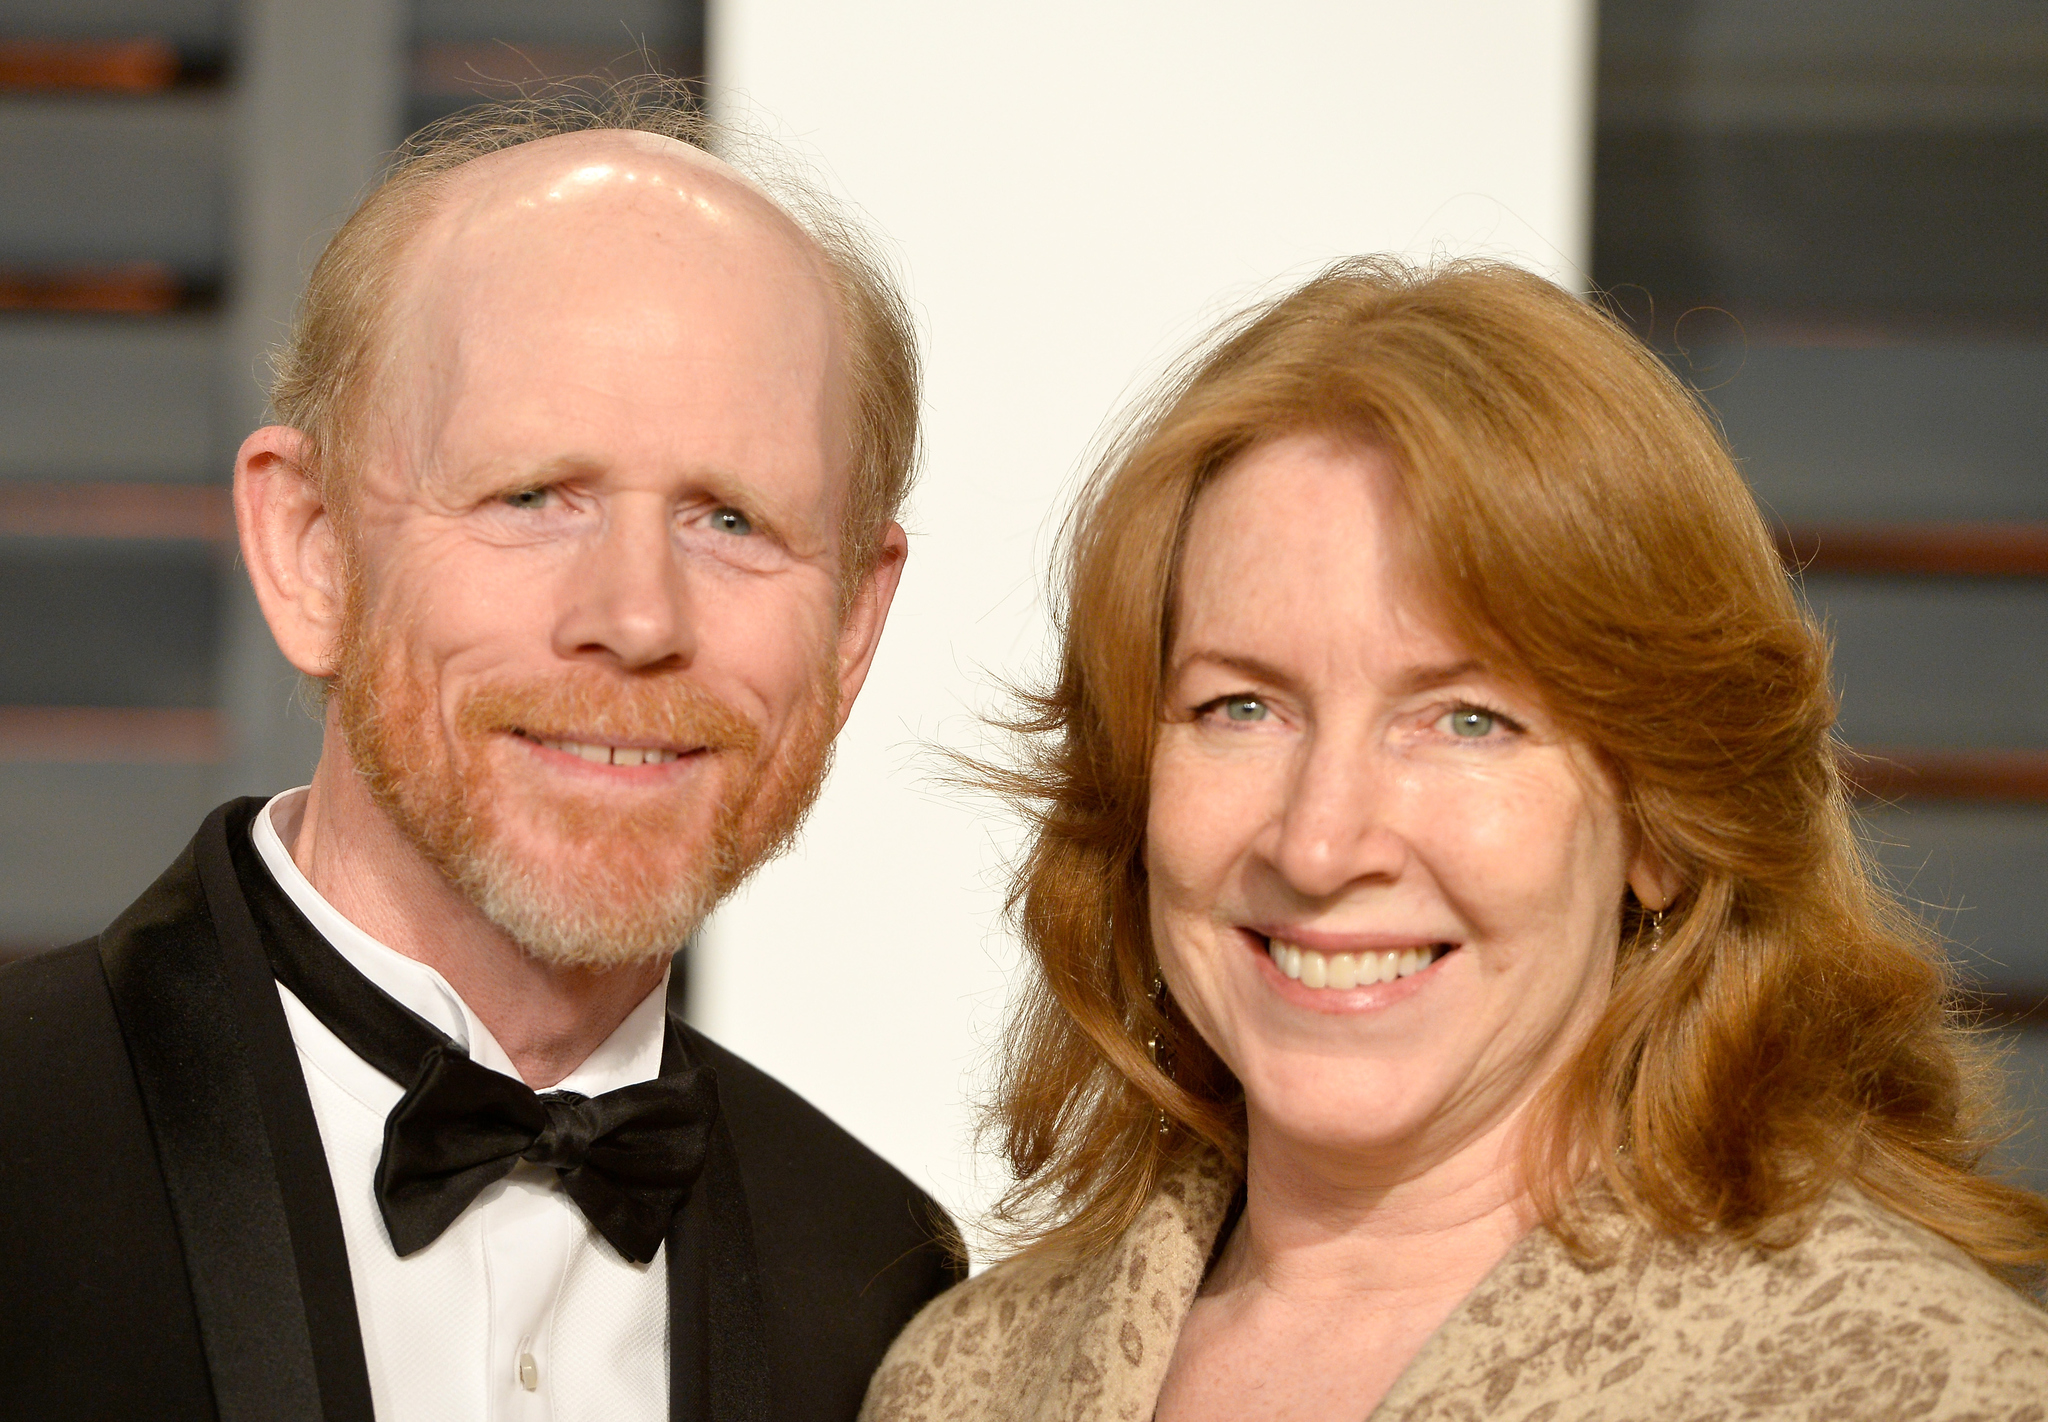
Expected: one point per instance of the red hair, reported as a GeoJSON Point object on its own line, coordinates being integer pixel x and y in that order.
{"type": "Point", "coordinates": [1579, 521]}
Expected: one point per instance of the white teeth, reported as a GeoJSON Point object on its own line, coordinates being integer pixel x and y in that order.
{"type": "Point", "coordinates": [614, 755]}
{"type": "Point", "coordinates": [1346, 970]}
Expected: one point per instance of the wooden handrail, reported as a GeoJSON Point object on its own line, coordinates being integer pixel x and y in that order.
{"type": "Point", "coordinates": [131, 66]}
{"type": "Point", "coordinates": [110, 735]}
{"type": "Point", "coordinates": [129, 289]}
{"type": "Point", "coordinates": [144, 511]}
{"type": "Point", "coordinates": [1985, 776]}
{"type": "Point", "coordinates": [1973, 550]}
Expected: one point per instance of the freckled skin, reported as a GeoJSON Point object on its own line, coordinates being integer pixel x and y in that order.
{"type": "Point", "coordinates": [608, 441]}
{"type": "Point", "coordinates": [1310, 778]}
{"type": "Point", "coordinates": [645, 416]}
{"type": "Point", "coordinates": [1352, 806]}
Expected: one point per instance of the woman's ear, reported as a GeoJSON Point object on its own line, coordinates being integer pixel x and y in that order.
{"type": "Point", "coordinates": [291, 547]}
{"type": "Point", "coordinates": [1653, 880]}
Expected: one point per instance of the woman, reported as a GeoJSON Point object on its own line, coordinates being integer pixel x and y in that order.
{"type": "Point", "coordinates": [1460, 992]}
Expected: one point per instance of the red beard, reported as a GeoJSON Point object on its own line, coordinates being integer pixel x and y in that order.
{"type": "Point", "coordinates": [580, 880]}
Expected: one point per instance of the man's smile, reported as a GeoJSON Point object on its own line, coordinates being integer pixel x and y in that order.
{"type": "Point", "coordinates": [606, 752]}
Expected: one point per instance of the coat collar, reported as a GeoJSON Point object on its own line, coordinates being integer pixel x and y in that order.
{"type": "Point", "coordinates": [247, 1174]}
{"type": "Point", "coordinates": [1867, 1315]}
{"type": "Point", "coordinates": [235, 1133]}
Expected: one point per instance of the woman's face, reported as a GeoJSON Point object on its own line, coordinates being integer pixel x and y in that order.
{"type": "Point", "coordinates": [1384, 886]}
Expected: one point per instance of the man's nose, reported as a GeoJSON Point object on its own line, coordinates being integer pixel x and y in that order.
{"type": "Point", "coordinates": [1341, 823]}
{"type": "Point", "coordinates": [627, 598]}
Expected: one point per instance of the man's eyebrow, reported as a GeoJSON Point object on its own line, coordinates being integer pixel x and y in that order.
{"type": "Point", "coordinates": [510, 477]}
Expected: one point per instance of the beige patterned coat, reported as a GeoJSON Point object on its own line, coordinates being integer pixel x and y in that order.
{"type": "Point", "coordinates": [1869, 1318]}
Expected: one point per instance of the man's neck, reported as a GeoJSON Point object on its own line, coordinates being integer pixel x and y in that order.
{"type": "Point", "coordinates": [548, 1019]}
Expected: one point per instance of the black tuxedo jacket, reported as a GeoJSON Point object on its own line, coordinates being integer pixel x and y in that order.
{"type": "Point", "coordinates": [172, 1248]}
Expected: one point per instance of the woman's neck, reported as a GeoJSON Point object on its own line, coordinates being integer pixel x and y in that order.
{"type": "Point", "coordinates": [1336, 1275]}
{"type": "Point", "coordinates": [1318, 1224]}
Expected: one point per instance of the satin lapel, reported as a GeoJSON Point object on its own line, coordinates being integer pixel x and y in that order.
{"type": "Point", "coordinates": [226, 862]}
{"type": "Point", "coordinates": [240, 1149]}
{"type": "Point", "coordinates": [718, 1355]}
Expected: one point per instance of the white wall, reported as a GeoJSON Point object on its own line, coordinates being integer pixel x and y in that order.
{"type": "Point", "coordinates": [1075, 189]}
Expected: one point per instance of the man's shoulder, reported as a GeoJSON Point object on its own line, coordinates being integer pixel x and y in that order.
{"type": "Point", "coordinates": [56, 1014]}
{"type": "Point", "coordinates": [61, 981]}
{"type": "Point", "coordinates": [100, 1318]}
{"type": "Point", "coordinates": [801, 1164]}
{"type": "Point", "coordinates": [848, 1248]}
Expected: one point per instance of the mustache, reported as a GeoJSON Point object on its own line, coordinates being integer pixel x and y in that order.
{"type": "Point", "coordinates": [586, 704]}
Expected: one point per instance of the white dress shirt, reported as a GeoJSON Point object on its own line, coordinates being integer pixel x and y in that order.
{"type": "Point", "coordinates": [520, 1311]}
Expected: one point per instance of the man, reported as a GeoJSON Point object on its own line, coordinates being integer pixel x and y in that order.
{"type": "Point", "coordinates": [582, 509]}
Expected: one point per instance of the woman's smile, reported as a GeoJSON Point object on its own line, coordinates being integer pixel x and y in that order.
{"type": "Point", "coordinates": [1385, 887]}
{"type": "Point", "coordinates": [1342, 971]}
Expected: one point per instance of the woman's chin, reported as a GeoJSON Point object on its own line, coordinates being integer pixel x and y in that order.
{"type": "Point", "coordinates": [1376, 1115]}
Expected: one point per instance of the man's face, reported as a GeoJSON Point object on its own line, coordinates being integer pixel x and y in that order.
{"type": "Point", "coordinates": [593, 658]}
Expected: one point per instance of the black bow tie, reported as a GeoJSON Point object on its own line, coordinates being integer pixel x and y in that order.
{"type": "Point", "coordinates": [627, 1158]}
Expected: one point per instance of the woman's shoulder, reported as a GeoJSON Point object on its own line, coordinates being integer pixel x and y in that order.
{"type": "Point", "coordinates": [1868, 1315]}
{"type": "Point", "coordinates": [1870, 1277]}
{"type": "Point", "coordinates": [1883, 1315]}
{"type": "Point", "coordinates": [1079, 1336]}
{"type": "Point", "coordinates": [980, 1339]}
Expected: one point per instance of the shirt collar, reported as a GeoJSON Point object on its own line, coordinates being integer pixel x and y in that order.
{"type": "Point", "coordinates": [631, 1054]}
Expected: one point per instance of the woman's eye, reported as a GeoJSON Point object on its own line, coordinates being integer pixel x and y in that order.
{"type": "Point", "coordinates": [1244, 708]}
{"type": "Point", "coordinates": [527, 499]}
{"type": "Point", "coordinates": [731, 521]}
{"type": "Point", "coordinates": [1470, 723]}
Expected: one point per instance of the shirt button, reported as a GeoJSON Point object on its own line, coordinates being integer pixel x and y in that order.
{"type": "Point", "coordinates": [529, 1372]}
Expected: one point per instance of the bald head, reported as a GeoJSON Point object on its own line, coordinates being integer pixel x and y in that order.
{"type": "Point", "coordinates": [638, 270]}
{"type": "Point", "coordinates": [536, 199]}
{"type": "Point", "coordinates": [583, 193]}
{"type": "Point", "coordinates": [585, 553]}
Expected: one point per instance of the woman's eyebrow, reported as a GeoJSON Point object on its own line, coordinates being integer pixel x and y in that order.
{"type": "Point", "coordinates": [1251, 667]}
{"type": "Point", "coordinates": [1425, 678]}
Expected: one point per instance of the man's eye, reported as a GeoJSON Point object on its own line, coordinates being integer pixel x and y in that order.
{"type": "Point", "coordinates": [732, 521]}
{"type": "Point", "coordinates": [527, 499]}
{"type": "Point", "coordinates": [1243, 708]}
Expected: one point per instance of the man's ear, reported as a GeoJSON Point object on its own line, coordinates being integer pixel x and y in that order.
{"type": "Point", "coordinates": [861, 631]}
{"type": "Point", "coordinates": [291, 547]}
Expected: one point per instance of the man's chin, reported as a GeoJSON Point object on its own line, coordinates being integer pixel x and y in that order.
{"type": "Point", "coordinates": [584, 885]}
{"type": "Point", "coordinates": [570, 913]}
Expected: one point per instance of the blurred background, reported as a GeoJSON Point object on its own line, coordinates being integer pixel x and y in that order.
{"type": "Point", "coordinates": [1828, 215]}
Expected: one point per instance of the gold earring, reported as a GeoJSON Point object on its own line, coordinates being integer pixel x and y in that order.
{"type": "Point", "coordinates": [1162, 1058]}
{"type": "Point", "coordinates": [1656, 929]}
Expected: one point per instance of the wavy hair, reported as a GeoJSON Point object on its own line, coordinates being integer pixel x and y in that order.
{"type": "Point", "coordinates": [1580, 524]}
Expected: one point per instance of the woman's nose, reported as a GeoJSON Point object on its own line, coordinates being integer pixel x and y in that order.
{"type": "Point", "coordinates": [627, 598]}
{"type": "Point", "coordinates": [1340, 825]}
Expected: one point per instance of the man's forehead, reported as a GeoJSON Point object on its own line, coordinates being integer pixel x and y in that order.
{"type": "Point", "coordinates": [590, 179]}
{"type": "Point", "coordinates": [613, 226]}
{"type": "Point", "coordinates": [618, 277]}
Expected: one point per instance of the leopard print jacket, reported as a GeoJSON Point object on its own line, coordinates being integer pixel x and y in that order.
{"type": "Point", "coordinates": [1869, 1318]}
